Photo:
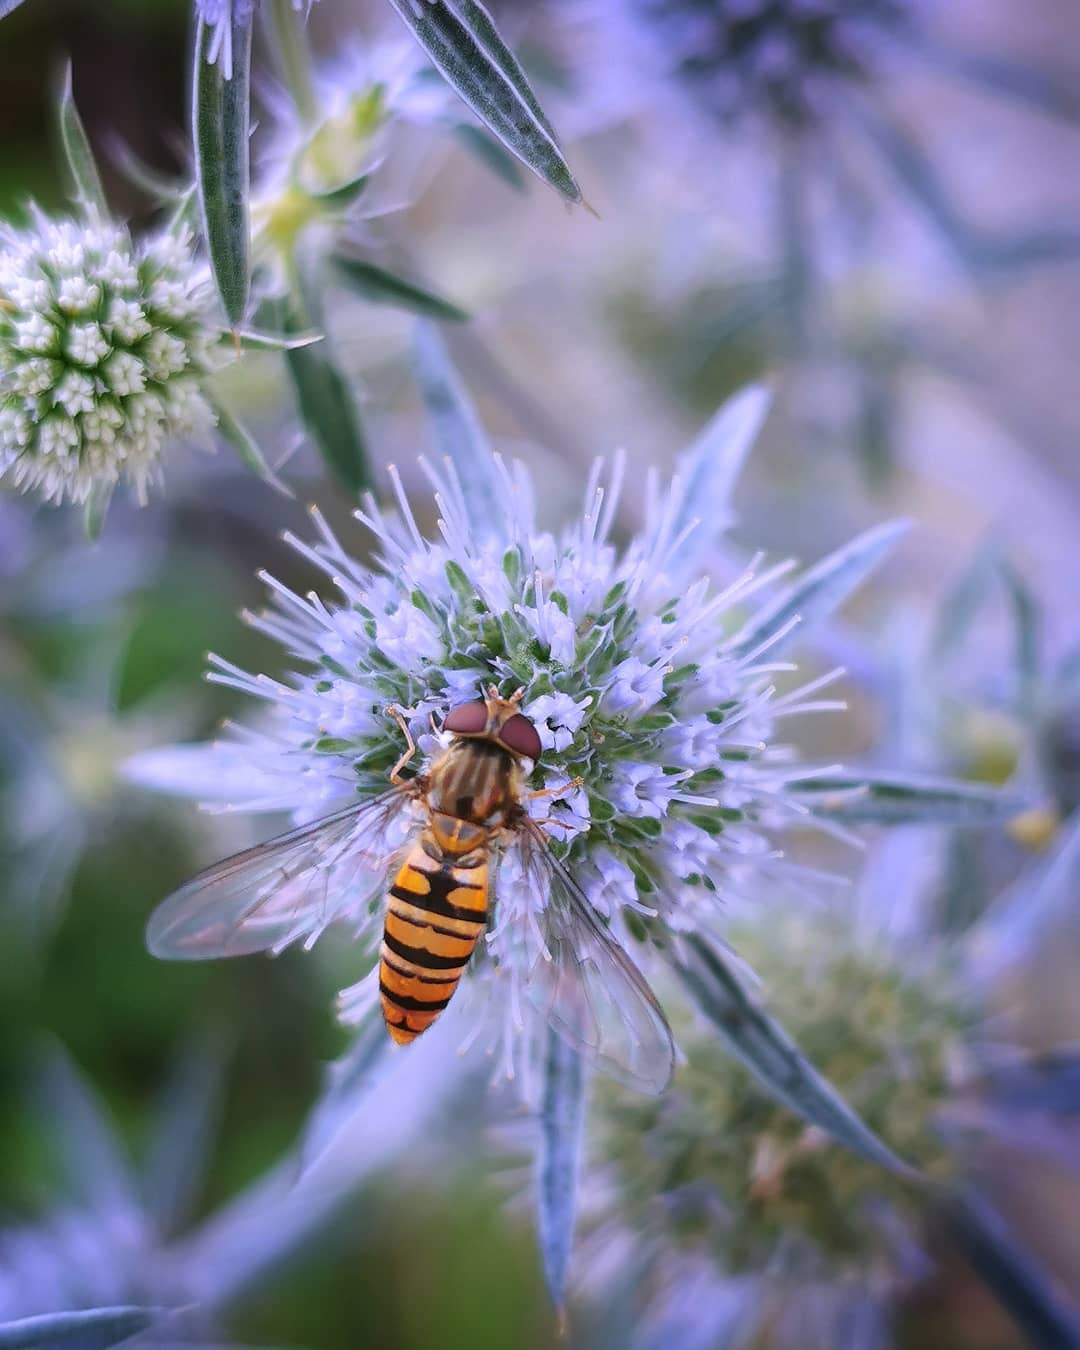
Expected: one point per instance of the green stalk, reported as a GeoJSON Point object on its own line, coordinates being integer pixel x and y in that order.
{"type": "Point", "coordinates": [294, 57]}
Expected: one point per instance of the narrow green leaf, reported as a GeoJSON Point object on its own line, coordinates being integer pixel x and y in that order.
{"type": "Point", "coordinates": [96, 1172]}
{"type": "Point", "coordinates": [463, 44]}
{"type": "Point", "coordinates": [97, 1329]}
{"type": "Point", "coordinates": [387, 288]}
{"type": "Point", "coordinates": [491, 153]}
{"type": "Point", "coordinates": [343, 196]}
{"type": "Point", "coordinates": [1011, 1272]}
{"type": "Point", "coordinates": [221, 132]}
{"type": "Point", "coordinates": [458, 431]}
{"type": "Point", "coordinates": [327, 408]}
{"type": "Point", "coordinates": [708, 471]}
{"type": "Point", "coordinates": [161, 187]}
{"type": "Point", "coordinates": [915, 172]}
{"type": "Point", "coordinates": [562, 1132]}
{"type": "Point", "coordinates": [96, 509]}
{"type": "Point", "coordinates": [345, 1082]}
{"type": "Point", "coordinates": [1025, 622]}
{"type": "Point", "coordinates": [186, 1122]}
{"type": "Point", "coordinates": [1041, 901]}
{"type": "Point", "coordinates": [904, 799]}
{"type": "Point", "coordinates": [963, 601]}
{"type": "Point", "coordinates": [1001, 75]}
{"type": "Point", "coordinates": [85, 178]}
{"type": "Point", "coordinates": [765, 1049]}
{"type": "Point", "coordinates": [252, 340]}
{"type": "Point", "coordinates": [247, 447]}
{"type": "Point", "coordinates": [819, 592]}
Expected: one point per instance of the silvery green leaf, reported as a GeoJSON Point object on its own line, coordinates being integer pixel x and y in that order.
{"type": "Point", "coordinates": [562, 1132]}
{"type": "Point", "coordinates": [1015, 250]}
{"type": "Point", "coordinates": [1011, 1272]}
{"type": "Point", "coordinates": [1025, 622]}
{"type": "Point", "coordinates": [245, 445]}
{"type": "Point", "coordinates": [387, 288]}
{"type": "Point", "coordinates": [458, 431]}
{"type": "Point", "coordinates": [97, 1173]}
{"type": "Point", "coordinates": [759, 1043]}
{"type": "Point", "coordinates": [1001, 75]}
{"type": "Point", "coordinates": [345, 1081]}
{"type": "Point", "coordinates": [220, 131]}
{"type": "Point", "coordinates": [328, 410]}
{"type": "Point", "coordinates": [490, 152]}
{"type": "Point", "coordinates": [253, 340]}
{"type": "Point", "coordinates": [95, 1329]}
{"type": "Point", "coordinates": [80, 158]}
{"type": "Point", "coordinates": [870, 797]}
{"type": "Point", "coordinates": [708, 470]}
{"type": "Point", "coordinates": [345, 194]}
{"type": "Point", "coordinates": [6, 6]}
{"type": "Point", "coordinates": [187, 1120]}
{"type": "Point", "coordinates": [465, 47]}
{"type": "Point", "coordinates": [819, 592]}
{"type": "Point", "coordinates": [161, 187]}
{"type": "Point", "coordinates": [1041, 900]}
{"type": "Point", "coordinates": [963, 601]}
{"type": "Point", "coordinates": [915, 172]}
{"type": "Point", "coordinates": [96, 509]}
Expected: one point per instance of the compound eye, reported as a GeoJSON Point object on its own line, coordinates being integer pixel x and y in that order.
{"type": "Point", "coordinates": [519, 735]}
{"type": "Point", "coordinates": [467, 719]}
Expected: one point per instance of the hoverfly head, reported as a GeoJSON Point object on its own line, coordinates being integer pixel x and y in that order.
{"type": "Point", "coordinates": [496, 719]}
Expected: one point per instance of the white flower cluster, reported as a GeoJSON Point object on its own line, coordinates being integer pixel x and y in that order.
{"type": "Point", "coordinates": [104, 345]}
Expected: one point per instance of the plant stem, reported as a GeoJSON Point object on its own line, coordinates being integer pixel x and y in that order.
{"type": "Point", "coordinates": [294, 56]}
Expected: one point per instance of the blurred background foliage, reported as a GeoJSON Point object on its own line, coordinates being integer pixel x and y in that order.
{"type": "Point", "coordinates": [585, 336]}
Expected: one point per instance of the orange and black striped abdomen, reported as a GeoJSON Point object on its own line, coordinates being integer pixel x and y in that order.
{"type": "Point", "coordinates": [435, 913]}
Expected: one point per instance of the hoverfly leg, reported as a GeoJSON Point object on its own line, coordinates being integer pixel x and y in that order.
{"type": "Point", "coordinates": [398, 714]}
{"type": "Point", "coordinates": [554, 791]}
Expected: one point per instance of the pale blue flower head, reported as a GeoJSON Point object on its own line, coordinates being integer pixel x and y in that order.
{"type": "Point", "coordinates": [654, 692]}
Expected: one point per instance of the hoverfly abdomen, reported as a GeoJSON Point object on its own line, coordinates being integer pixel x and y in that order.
{"type": "Point", "coordinates": [436, 910]}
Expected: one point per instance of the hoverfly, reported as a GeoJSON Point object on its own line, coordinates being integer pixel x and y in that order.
{"type": "Point", "coordinates": [469, 809]}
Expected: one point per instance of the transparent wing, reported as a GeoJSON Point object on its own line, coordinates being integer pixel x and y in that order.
{"type": "Point", "coordinates": [289, 888]}
{"type": "Point", "coordinates": [585, 985]}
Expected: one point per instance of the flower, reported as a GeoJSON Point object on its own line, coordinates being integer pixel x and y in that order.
{"type": "Point", "coordinates": [654, 695]}
{"type": "Point", "coordinates": [334, 165]}
{"type": "Point", "coordinates": [104, 348]}
{"type": "Point", "coordinates": [737, 57]}
{"type": "Point", "coordinates": [743, 1225]}
{"type": "Point", "coordinates": [222, 16]}
{"type": "Point", "coordinates": [732, 1171]}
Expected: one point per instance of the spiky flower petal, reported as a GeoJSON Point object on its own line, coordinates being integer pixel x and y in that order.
{"type": "Point", "coordinates": [104, 346]}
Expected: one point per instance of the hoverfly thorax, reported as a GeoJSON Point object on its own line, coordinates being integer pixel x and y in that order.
{"type": "Point", "coordinates": [481, 775]}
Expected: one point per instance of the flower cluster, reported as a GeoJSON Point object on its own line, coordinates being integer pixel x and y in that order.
{"type": "Point", "coordinates": [104, 346]}
{"type": "Point", "coordinates": [719, 1177]}
{"type": "Point", "coordinates": [774, 57]}
{"type": "Point", "coordinates": [637, 680]}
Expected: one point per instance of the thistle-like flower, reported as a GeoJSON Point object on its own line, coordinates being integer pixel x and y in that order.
{"type": "Point", "coordinates": [654, 694]}
{"type": "Point", "coordinates": [735, 57]}
{"type": "Point", "coordinates": [105, 345]}
{"type": "Point", "coordinates": [736, 1179]}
